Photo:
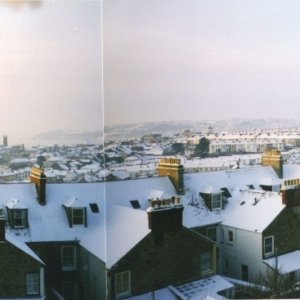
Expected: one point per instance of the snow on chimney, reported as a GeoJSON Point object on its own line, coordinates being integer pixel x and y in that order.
{"type": "Point", "coordinates": [165, 215]}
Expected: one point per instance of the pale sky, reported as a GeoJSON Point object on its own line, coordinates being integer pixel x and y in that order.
{"type": "Point", "coordinates": [200, 59]}
{"type": "Point", "coordinates": [50, 67]}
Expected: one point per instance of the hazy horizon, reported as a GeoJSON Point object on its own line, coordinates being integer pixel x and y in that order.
{"type": "Point", "coordinates": [51, 66]}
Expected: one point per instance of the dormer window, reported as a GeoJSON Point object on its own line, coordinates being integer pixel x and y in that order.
{"type": "Point", "coordinates": [19, 218]}
{"type": "Point", "coordinates": [216, 201]}
{"type": "Point", "coordinates": [78, 216]}
{"type": "Point", "coordinates": [213, 197]}
{"type": "Point", "coordinates": [75, 212]}
{"type": "Point", "coordinates": [17, 214]}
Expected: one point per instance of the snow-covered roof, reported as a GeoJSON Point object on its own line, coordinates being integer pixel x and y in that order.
{"type": "Point", "coordinates": [207, 288]}
{"type": "Point", "coordinates": [15, 203]}
{"type": "Point", "coordinates": [270, 181]}
{"type": "Point", "coordinates": [209, 189]}
{"type": "Point", "coordinates": [22, 246]}
{"type": "Point", "coordinates": [20, 160]}
{"type": "Point", "coordinates": [42, 226]}
{"type": "Point", "coordinates": [122, 231]}
{"type": "Point", "coordinates": [286, 263]}
{"type": "Point", "coordinates": [254, 210]}
{"type": "Point", "coordinates": [199, 289]}
{"type": "Point", "coordinates": [74, 202]}
{"type": "Point", "coordinates": [291, 171]}
{"type": "Point", "coordinates": [238, 210]}
{"type": "Point", "coordinates": [121, 175]}
{"type": "Point", "coordinates": [122, 192]}
{"type": "Point", "coordinates": [118, 226]}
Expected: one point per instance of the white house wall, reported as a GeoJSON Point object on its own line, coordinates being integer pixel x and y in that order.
{"type": "Point", "coordinates": [246, 249]}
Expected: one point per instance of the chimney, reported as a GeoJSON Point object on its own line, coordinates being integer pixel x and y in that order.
{"type": "Point", "coordinates": [2, 228]}
{"type": "Point", "coordinates": [291, 196]}
{"type": "Point", "coordinates": [273, 158]}
{"type": "Point", "coordinates": [172, 167]}
{"type": "Point", "coordinates": [38, 177]}
{"type": "Point", "coordinates": [165, 215]}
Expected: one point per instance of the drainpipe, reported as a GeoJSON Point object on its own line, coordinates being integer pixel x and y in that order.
{"type": "Point", "coordinates": [276, 270]}
{"type": "Point", "coordinates": [276, 260]}
{"type": "Point", "coordinates": [153, 295]}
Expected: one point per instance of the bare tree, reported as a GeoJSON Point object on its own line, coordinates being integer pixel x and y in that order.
{"type": "Point", "coordinates": [273, 285]}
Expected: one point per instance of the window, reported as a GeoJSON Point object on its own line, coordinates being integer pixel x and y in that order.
{"type": "Point", "coordinates": [68, 258]}
{"type": "Point", "coordinates": [32, 283]}
{"type": "Point", "coordinates": [216, 201]}
{"type": "Point", "coordinates": [19, 218]}
{"type": "Point", "coordinates": [122, 284]}
{"type": "Point", "coordinates": [269, 245]}
{"type": "Point", "coordinates": [244, 273]}
{"type": "Point", "coordinates": [206, 262]}
{"type": "Point", "coordinates": [212, 233]}
{"type": "Point", "coordinates": [230, 236]}
{"type": "Point", "coordinates": [78, 216]}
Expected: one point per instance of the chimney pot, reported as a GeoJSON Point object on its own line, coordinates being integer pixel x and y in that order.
{"type": "Point", "coordinates": [167, 218]}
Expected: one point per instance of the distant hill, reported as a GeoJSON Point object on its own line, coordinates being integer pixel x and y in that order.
{"type": "Point", "coordinates": [62, 137]}
{"type": "Point", "coordinates": [137, 130]}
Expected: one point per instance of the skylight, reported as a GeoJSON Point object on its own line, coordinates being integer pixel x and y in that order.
{"type": "Point", "coordinates": [135, 204]}
{"type": "Point", "coordinates": [94, 207]}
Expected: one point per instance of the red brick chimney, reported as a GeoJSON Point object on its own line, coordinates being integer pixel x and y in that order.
{"type": "Point", "coordinates": [38, 177]}
{"type": "Point", "coordinates": [2, 228]}
{"type": "Point", "coordinates": [165, 215]}
{"type": "Point", "coordinates": [291, 196]}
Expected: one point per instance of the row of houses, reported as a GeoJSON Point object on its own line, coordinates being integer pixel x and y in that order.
{"type": "Point", "coordinates": [174, 236]}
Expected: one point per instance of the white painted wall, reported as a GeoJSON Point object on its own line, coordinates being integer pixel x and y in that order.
{"type": "Point", "coordinates": [246, 249]}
